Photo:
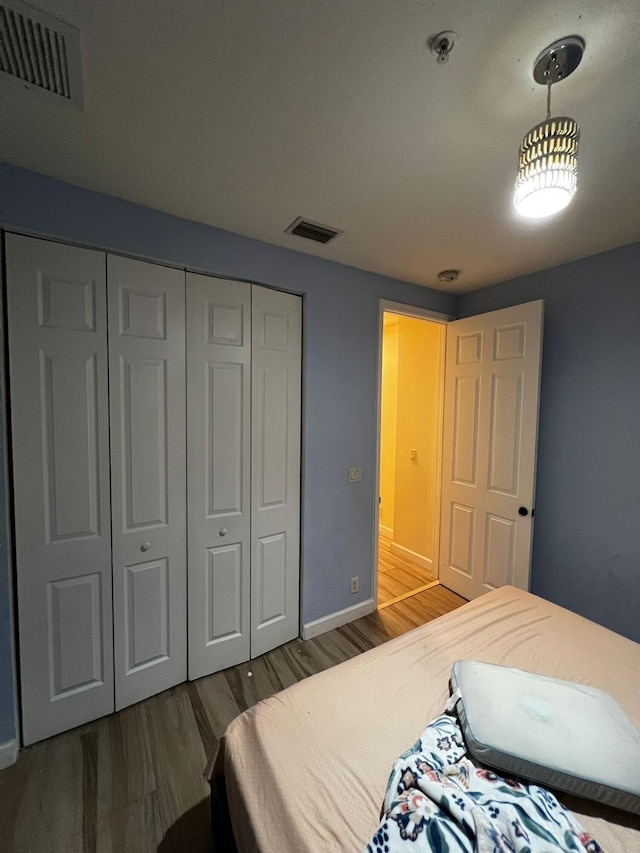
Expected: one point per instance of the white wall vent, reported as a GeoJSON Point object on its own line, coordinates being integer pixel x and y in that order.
{"type": "Point", "coordinates": [302, 227]}
{"type": "Point", "coordinates": [37, 50]}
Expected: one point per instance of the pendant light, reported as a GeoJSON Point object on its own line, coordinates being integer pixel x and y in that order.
{"type": "Point", "coordinates": [548, 157]}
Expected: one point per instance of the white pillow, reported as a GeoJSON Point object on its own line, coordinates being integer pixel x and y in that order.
{"type": "Point", "coordinates": [563, 735]}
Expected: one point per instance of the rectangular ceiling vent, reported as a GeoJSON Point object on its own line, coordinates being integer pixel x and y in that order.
{"type": "Point", "coordinates": [313, 230]}
{"type": "Point", "coordinates": [39, 51]}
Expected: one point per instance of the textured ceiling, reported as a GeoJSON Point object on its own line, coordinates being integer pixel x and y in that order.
{"type": "Point", "coordinates": [245, 114]}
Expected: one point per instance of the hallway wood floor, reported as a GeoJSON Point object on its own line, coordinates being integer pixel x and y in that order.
{"type": "Point", "coordinates": [132, 782]}
{"type": "Point", "coordinates": [397, 575]}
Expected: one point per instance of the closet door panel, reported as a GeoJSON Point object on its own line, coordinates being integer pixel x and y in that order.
{"type": "Point", "coordinates": [148, 459]}
{"type": "Point", "coordinates": [275, 517]}
{"type": "Point", "coordinates": [218, 414]}
{"type": "Point", "coordinates": [58, 373]}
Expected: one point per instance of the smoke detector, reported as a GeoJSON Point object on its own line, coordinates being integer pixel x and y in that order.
{"type": "Point", "coordinates": [448, 276]}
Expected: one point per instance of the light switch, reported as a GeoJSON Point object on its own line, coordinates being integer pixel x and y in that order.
{"type": "Point", "coordinates": [414, 453]}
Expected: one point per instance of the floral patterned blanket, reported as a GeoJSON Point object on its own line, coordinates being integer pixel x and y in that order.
{"type": "Point", "coordinates": [439, 800]}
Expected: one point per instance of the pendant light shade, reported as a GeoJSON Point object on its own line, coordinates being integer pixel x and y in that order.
{"type": "Point", "coordinates": [547, 168]}
{"type": "Point", "coordinates": [548, 156]}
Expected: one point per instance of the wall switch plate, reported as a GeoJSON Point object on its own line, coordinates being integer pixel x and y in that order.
{"type": "Point", "coordinates": [354, 475]}
{"type": "Point", "coordinates": [414, 453]}
{"type": "Point", "coordinates": [355, 584]}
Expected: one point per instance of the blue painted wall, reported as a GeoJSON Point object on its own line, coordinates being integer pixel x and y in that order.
{"type": "Point", "coordinates": [340, 363]}
{"type": "Point", "coordinates": [586, 553]}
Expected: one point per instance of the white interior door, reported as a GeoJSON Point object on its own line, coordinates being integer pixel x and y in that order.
{"type": "Point", "coordinates": [219, 418]}
{"type": "Point", "coordinates": [492, 381]}
{"type": "Point", "coordinates": [57, 312]}
{"type": "Point", "coordinates": [148, 476]}
{"type": "Point", "coordinates": [275, 468]}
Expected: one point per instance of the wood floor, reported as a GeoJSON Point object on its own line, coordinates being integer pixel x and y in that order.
{"type": "Point", "coordinates": [397, 575]}
{"type": "Point", "coordinates": [132, 782]}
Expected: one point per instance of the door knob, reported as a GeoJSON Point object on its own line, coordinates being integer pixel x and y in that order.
{"type": "Point", "coordinates": [223, 531]}
{"type": "Point", "coordinates": [523, 511]}
{"type": "Point", "coordinates": [145, 546]}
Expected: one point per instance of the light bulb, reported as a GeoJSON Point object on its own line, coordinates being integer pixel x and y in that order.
{"type": "Point", "coordinates": [543, 202]}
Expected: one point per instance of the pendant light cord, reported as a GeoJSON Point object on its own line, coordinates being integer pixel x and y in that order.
{"type": "Point", "coordinates": [548, 99]}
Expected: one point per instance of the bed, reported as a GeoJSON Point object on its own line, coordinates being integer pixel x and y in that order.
{"type": "Point", "coordinates": [306, 770]}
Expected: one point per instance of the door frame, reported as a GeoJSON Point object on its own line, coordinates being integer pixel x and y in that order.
{"type": "Point", "coordinates": [386, 305]}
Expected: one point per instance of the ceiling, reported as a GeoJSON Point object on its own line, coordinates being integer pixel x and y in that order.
{"type": "Point", "coordinates": [245, 114]}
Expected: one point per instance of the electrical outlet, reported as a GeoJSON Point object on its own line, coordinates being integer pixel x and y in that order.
{"type": "Point", "coordinates": [354, 475]}
{"type": "Point", "coordinates": [355, 584]}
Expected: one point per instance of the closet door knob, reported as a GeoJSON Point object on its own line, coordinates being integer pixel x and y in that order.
{"type": "Point", "coordinates": [145, 546]}
{"type": "Point", "coordinates": [223, 531]}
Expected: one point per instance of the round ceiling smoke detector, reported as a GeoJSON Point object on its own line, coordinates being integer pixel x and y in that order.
{"type": "Point", "coordinates": [448, 276]}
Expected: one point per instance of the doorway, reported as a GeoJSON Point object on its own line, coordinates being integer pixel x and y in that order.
{"type": "Point", "coordinates": [411, 380]}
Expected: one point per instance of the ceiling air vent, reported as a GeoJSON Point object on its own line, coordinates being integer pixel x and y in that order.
{"type": "Point", "coordinates": [313, 230]}
{"type": "Point", "coordinates": [39, 51]}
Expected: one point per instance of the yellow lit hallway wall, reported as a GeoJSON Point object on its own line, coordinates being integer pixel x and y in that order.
{"type": "Point", "coordinates": [418, 420]}
{"type": "Point", "coordinates": [388, 404]}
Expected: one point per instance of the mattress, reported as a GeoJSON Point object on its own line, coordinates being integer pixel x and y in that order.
{"type": "Point", "coordinates": [306, 769]}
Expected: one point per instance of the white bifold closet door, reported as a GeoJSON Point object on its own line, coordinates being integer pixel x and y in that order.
{"type": "Point", "coordinates": [276, 320]}
{"type": "Point", "coordinates": [218, 411]}
{"type": "Point", "coordinates": [148, 476]}
{"type": "Point", "coordinates": [243, 405]}
{"type": "Point", "coordinates": [57, 308]}
{"type": "Point", "coordinates": [106, 372]}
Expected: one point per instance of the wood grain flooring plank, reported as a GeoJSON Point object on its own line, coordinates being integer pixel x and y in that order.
{"type": "Point", "coordinates": [137, 827]}
{"type": "Point", "coordinates": [13, 784]}
{"type": "Point", "coordinates": [125, 768]}
{"type": "Point", "coordinates": [241, 685]}
{"type": "Point", "coordinates": [179, 761]}
{"type": "Point", "coordinates": [395, 621]}
{"type": "Point", "coordinates": [326, 651]}
{"type": "Point", "coordinates": [258, 679]}
{"type": "Point", "coordinates": [429, 605]}
{"type": "Point", "coordinates": [218, 702]}
{"type": "Point", "coordinates": [89, 744]}
{"type": "Point", "coordinates": [49, 815]}
{"type": "Point", "coordinates": [396, 574]}
{"type": "Point", "coordinates": [205, 729]}
{"type": "Point", "coordinates": [367, 633]}
{"type": "Point", "coordinates": [297, 661]}
{"type": "Point", "coordinates": [266, 677]}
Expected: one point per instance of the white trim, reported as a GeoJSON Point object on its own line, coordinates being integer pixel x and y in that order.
{"type": "Point", "coordinates": [413, 311]}
{"type": "Point", "coordinates": [437, 495]}
{"type": "Point", "coordinates": [8, 753]}
{"type": "Point", "coordinates": [413, 556]}
{"type": "Point", "coordinates": [336, 620]}
{"type": "Point", "coordinates": [388, 531]}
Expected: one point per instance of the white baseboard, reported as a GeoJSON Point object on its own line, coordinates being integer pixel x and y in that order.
{"type": "Point", "coordinates": [418, 559]}
{"type": "Point", "coordinates": [387, 531]}
{"type": "Point", "coordinates": [335, 620]}
{"type": "Point", "coordinates": [8, 753]}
